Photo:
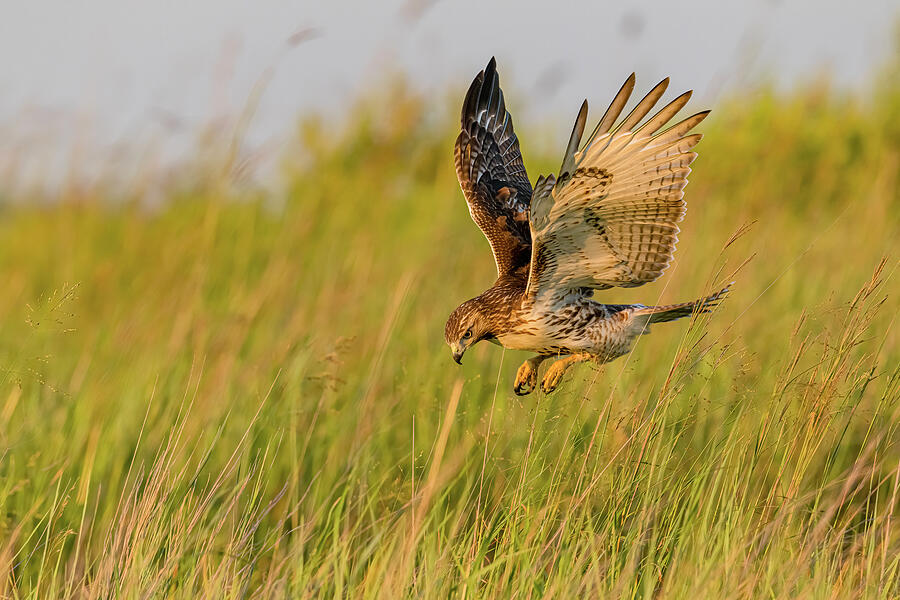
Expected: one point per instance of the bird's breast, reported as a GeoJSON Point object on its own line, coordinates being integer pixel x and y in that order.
{"type": "Point", "coordinates": [530, 334]}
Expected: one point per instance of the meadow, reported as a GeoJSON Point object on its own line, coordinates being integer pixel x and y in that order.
{"type": "Point", "coordinates": [243, 393]}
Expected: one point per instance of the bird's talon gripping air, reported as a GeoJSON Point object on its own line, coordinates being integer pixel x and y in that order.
{"type": "Point", "coordinates": [608, 220]}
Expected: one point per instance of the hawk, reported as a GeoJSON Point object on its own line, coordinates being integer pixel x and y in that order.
{"type": "Point", "coordinates": [609, 219]}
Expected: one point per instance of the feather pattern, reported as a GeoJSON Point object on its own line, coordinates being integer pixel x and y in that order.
{"type": "Point", "coordinates": [613, 221]}
{"type": "Point", "coordinates": [492, 174]}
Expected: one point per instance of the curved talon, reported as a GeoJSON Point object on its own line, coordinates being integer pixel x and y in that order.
{"type": "Point", "coordinates": [552, 378]}
{"type": "Point", "coordinates": [526, 379]}
{"type": "Point", "coordinates": [523, 388]}
{"type": "Point", "coordinates": [527, 376]}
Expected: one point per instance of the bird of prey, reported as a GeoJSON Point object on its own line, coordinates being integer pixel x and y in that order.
{"type": "Point", "coordinates": [608, 219]}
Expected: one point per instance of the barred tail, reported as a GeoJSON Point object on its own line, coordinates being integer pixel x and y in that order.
{"type": "Point", "coordinates": [661, 314]}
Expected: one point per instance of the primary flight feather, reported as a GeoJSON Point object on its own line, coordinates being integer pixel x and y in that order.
{"type": "Point", "coordinates": [609, 219]}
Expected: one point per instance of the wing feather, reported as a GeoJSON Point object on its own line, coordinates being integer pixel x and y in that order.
{"type": "Point", "coordinates": [644, 106]}
{"type": "Point", "coordinates": [492, 173]}
{"type": "Point", "coordinates": [613, 220]}
{"type": "Point", "coordinates": [665, 115]}
{"type": "Point", "coordinates": [615, 109]}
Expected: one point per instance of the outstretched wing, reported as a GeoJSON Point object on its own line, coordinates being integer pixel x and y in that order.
{"type": "Point", "coordinates": [610, 219]}
{"type": "Point", "coordinates": [491, 172]}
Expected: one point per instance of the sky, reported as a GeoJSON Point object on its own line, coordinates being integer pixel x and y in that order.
{"type": "Point", "coordinates": [82, 78]}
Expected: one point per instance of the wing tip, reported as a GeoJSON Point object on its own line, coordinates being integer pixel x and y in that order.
{"type": "Point", "coordinates": [701, 115]}
{"type": "Point", "coordinates": [568, 164]}
{"type": "Point", "coordinates": [481, 93]}
{"type": "Point", "coordinates": [698, 117]}
{"type": "Point", "coordinates": [491, 69]}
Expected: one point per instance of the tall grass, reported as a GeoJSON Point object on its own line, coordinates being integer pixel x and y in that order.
{"type": "Point", "coordinates": [243, 395]}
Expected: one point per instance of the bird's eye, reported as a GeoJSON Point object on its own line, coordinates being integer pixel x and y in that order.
{"type": "Point", "coordinates": [467, 334]}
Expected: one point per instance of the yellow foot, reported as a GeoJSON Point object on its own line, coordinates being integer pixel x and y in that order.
{"type": "Point", "coordinates": [526, 377]}
{"type": "Point", "coordinates": [554, 374]}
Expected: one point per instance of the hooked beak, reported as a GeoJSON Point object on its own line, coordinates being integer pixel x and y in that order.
{"type": "Point", "coordinates": [458, 350]}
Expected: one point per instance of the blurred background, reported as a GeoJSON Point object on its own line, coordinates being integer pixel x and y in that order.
{"type": "Point", "coordinates": [100, 85]}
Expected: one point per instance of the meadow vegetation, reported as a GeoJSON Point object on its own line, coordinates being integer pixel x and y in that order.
{"type": "Point", "coordinates": [238, 393]}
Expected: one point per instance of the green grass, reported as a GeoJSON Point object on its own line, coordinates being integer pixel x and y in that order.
{"type": "Point", "coordinates": [237, 394]}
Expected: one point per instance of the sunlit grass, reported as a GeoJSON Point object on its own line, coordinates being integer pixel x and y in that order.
{"type": "Point", "coordinates": [238, 395]}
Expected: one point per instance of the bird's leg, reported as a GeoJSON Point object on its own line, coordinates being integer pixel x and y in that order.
{"type": "Point", "coordinates": [556, 371]}
{"type": "Point", "coordinates": [527, 375]}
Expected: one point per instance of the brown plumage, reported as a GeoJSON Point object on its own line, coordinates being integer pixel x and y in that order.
{"type": "Point", "coordinates": [609, 219]}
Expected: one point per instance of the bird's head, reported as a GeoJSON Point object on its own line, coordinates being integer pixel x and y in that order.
{"type": "Point", "coordinates": [467, 325]}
